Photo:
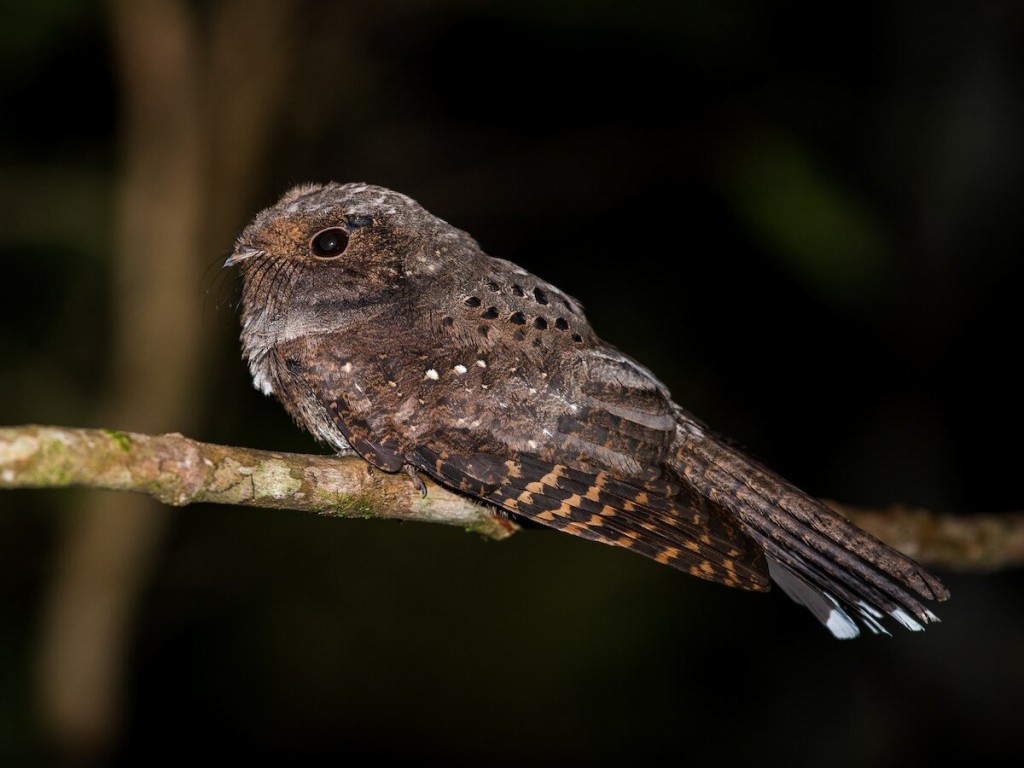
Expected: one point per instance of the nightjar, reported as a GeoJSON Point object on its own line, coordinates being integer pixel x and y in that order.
{"type": "Point", "coordinates": [387, 332]}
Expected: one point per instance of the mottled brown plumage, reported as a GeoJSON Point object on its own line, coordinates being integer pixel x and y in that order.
{"type": "Point", "coordinates": [385, 331]}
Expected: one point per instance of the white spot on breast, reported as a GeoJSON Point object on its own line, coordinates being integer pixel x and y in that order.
{"type": "Point", "coordinates": [532, 444]}
{"type": "Point", "coordinates": [533, 391]}
{"type": "Point", "coordinates": [347, 367]}
{"type": "Point", "coordinates": [460, 369]}
{"type": "Point", "coordinates": [431, 374]}
{"type": "Point", "coordinates": [392, 384]}
{"type": "Point", "coordinates": [481, 363]}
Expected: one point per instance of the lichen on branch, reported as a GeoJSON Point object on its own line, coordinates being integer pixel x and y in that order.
{"type": "Point", "coordinates": [179, 471]}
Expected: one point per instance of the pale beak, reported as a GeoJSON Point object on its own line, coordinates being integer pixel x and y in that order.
{"type": "Point", "coordinates": [242, 254]}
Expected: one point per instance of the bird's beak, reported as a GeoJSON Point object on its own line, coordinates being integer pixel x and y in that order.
{"type": "Point", "coordinates": [243, 253]}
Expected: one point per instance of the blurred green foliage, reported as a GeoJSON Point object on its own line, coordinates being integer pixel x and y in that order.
{"type": "Point", "coordinates": [822, 235]}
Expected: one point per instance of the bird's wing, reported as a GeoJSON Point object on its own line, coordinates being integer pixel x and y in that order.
{"type": "Point", "coordinates": [600, 507]}
{"type": "Point", "coordinates": [577, 443]}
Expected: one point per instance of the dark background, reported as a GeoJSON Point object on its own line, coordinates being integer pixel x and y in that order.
{"type": "Point", "coordinates": [807, 223]}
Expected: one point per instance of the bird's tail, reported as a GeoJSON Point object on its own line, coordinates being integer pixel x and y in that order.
{"type": "Point", "coordinates": [822, 561]}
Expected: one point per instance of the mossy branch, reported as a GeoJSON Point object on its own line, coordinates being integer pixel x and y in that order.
{"type": "Point", "coordinates": [180, 471]}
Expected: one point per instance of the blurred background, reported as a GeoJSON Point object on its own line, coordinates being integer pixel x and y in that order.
{"type": "Point", "coordinates": [807, 222]}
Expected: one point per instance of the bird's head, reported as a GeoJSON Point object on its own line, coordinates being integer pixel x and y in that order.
{"type": "Point", "coordinates": [324, 251]}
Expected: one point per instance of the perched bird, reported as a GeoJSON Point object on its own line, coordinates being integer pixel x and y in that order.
{"type": "Point", "coordinates": [387, 332]}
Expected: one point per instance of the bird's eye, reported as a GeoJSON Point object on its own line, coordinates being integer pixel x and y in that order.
{"type": "Point", "coordinates": [329, 243]}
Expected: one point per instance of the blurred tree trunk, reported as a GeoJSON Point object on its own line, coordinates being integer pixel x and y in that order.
{"type": "Point", "coordinates": [198, 108]}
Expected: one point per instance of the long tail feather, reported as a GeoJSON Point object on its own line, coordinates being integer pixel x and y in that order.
{"type": "Point", "coordinates": [842, 574]}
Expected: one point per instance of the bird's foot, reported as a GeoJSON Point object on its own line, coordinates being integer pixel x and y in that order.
{"type": "Point", "coordinates": [417, 481]}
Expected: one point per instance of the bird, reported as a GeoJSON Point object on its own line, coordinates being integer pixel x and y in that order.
{"type": "Point", "coordinates": [389, 334]}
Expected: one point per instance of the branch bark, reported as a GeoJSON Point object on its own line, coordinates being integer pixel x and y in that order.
{"type": "Point", "coordinates": [179, 471]}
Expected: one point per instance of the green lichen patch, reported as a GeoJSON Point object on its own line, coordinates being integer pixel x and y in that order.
{"type": "Point", "coordinates": [274, 479]}
{"type": "Point", "coordinates": [122, 440]}
{"type": "Point", "coordinates": [51, 465]}
{"type": "Point", "coordinates": [362, 505]}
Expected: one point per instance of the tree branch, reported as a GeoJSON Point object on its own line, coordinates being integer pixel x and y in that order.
{"type": "Point", "coordinates": [180, 471]}
{"type": "Point", "coordinates": [967, 542]}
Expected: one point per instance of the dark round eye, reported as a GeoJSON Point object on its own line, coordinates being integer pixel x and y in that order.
{"type": "Point", "coordinates": [329, 243]}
